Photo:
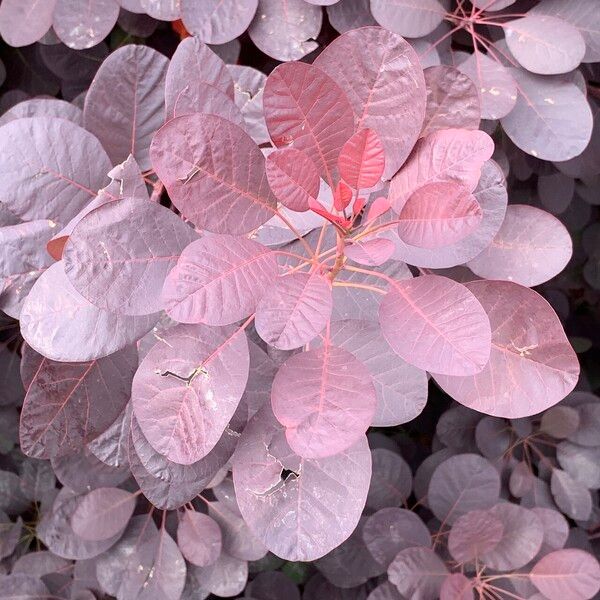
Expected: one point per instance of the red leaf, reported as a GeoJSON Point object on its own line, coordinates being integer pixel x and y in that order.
{"type": "Point", "coordinates": [362, 159]}
{"type": "Point", "coordinates": [342, 196]}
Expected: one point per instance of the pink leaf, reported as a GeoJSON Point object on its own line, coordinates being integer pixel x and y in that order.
{"type": "Point", "coordinates": [287, 512]}
{"type": "Point", "coordinates": [325, 399]}
{"type": "Point", "coordinates": [203, 156]}
{"type": "Point", "coordinates": [69, 404]}
{"type": "Point", "coordinates": [81, 25]}
{"type": "Point", "coordinates": [217, 21]}
{"type": "Point", "coordinates": [103, 513]}
{"type": "Point", "coordinates": [531, 247]}
{"type": "Point", "coordinates": [452, 100]}
{"type": "Point", "coordinates": [62, 325]}
{"type": "Point", "coordinates": [410, 18]}
{"type": "Point", "coordinates": [532, 365]}
{"type": "Point", "coordinates": [180, 383]}
{"type": "Point", "coordinates": [371, 252]}
{"type": "Point", "coordinates": [218, 280]}
{"type": "Point", "coordinates": [342, 196]}
{"type": "Point", "coordinates": [379, 207]}
{"type": "Point", "coordinates": [543, 44]}
{"type": "Point", "coordinates": [457, 587]}
{"type": "Point", "coordinates": [125, 275]}
{"type": "Point", "coordinates": [436, 324]}
{"type": "Point", "coordinates": [345, 16]}
{"type": "Point", "coordinates": [570, 574]}
{"type": "Point", "coordinates": [296, 309]}
{"type": "Point", "coordinates": [439, 214]}
{"type": "Point", "coordinates": [23, 22]}
{"type": "Point", "coordinates": [455, 155]}
{"type": "Point", "coordinates": [362, 160]}
{"type": "Point", "coordinates": [286, 30]}
{"type": "Point", "coordinates": [418, 573]}
{"type": "Point", "coordinates": [474, 533]}
{"type": "Point", "coordinates": [383, 79]}
{"type": "Point", "coordinates": [199, 538]}
{"type": "Point", "coordinates": [163, 10]}
{"type": "Point", "coordinates": [306, 108]}
{"type": "Point", "coordinates": [293, 178]}
{"type": "Point", "coordinates": [125, 104]}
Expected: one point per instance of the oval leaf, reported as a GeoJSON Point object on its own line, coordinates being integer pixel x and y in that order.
{"type": "Point", "coordinates": [418, 573]}
{"type": "Point", "coordinates": [362, 160]}
{"type": "Point", "coordinates": [199, 538]}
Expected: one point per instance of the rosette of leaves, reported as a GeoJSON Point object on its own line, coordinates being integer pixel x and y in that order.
{"type": "Point", "coordinates": [256, 312]}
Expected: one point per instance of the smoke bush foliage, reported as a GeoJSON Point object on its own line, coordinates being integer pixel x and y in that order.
{"type": "Point", "coordinates": [224, 279]}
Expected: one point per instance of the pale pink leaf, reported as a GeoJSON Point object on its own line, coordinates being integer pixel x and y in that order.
{"type": "Point", "coordinates": [457, 587]}
{"type": "Point", "coordinates": [544, 44]}
{"type": "Point", "coordinates": [410, 18]}
{"type": "Point", "coordinates": [418, 573]}
{"type": "Point", "coordinates": [44, 107]}
{"type": "Point", "coordinates": [217, 21]}
{"type": "Point", "coordinates": [532, 365]}
{"type": "Point", "coordinates": [492, 5]}
{"type": "Point", "coordinates": [439, 214]}
{"type": "Point", "coordinates": [455, 155]}
{"type": "Point", "coordinates": [295, 310]}
{"type": "Point", "coordinates": [125, 103]}
{"type": "Point", "coordinates": [286, 29]}
{"type": "Point", "coordinates": [372, 253]}
{"type": "Point", "coordinates": [305, 107]}
{"type": "Point", "coordinates": [23, 22]}
{"type": "Point", "coordinates": [204, 156]}
{"type": "Point", "coordinates": [218, 280]}
{"type": "Point", "coordinates": [293, 178]}
{"type": "Point", "coordinates": [350, 14]}
{"type": "Point", "coordinates": [436, 324]}
{"type": "Point", "coordinates": [181, 382]}
{"type": "Point", "coordinates": [285, 499]}
{"type": "Point", "coordinates": [325, 398]}
{"type": "Point", "coordinates": [531, 247]}
{"type": "Point", "coordinates": [570, 574]}
{"type": "Point", "coordinates": [125, 275]}
{"type": "Point", "coordinates": [362, 160]}
{"type": "Point", "coordinates": [199, 538]}
{"type": "Point", "coordinates": [379, 207]}
{"type": "Point", "coordinates": [383, 79]}
{"type": "Point", "coordinates": [494, 83]}
{"type": "Point", "coordinates": [474, 533]}
{"type": "Point", "coordinates": [452, 100]}
{"type": "Point", "coordinates": [61, 324]}
{"type": "Point", "coordinates": [572, 497]}
{"type": "Point", "coordinates": [81, 25]}
{"type": "Point", "coordinates": [103, 513]}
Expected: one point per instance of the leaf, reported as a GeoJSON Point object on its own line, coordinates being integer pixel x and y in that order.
{"type": "Point", "coordinates": [226, 577]}
{"type": "Point", "coordinates": [492, 5]}
{"type": "Point", "coordinates": [125, 104]}
{"type": "Point", "coordinates": [293, 178]}
{"type": "Point", "coordinates": [551, 120]}
{"type": "Point", "coordinates": [60, 324]}
{"type": "Point", "coordinates": [457, 587]}
{"type": "Point", "coordinates": [570, 574]}
{"type": "Point", "coordinates": [418, 573]}
{"type": "Point", "coordinates": [194, 66]}
{"type": "Point", "coordinates": [82, 26]}
{"type": "Point", "coordinates": [163, 10]}
{"type": "Point", "coordinates": [362, 160]}
{"type": "Point", "coordinates": [325, 399]}
{"type": "Point", "coordinates": [532, 365]}
{"type": "Point", "coordinates": [531, 247]}
{"type": "Point", "coordinates": [372, 253]}
{"type": "Point", "coordinates": [346, 15]}
{"type": "Point", "coordinates": [103, 513]}
{"type": "Point", "coordinates": [449, 155]}
{"type": "Point", "coordinates": [409, 18]}
{"type": "Point", "coordinates": [36, 14]}
{"type": "Point", "coordinates": [580, 462]}
{"type": "Point", "coordinates": [296, 309]}
{"type": "Point", "coordinates": [391, 480]}
{"type": "Point", "coordinates": [37, 480]}
{"type": "Point", "coordinates": [560, 421]}
{"type": "Point", "coordinates": [305, 107]}
{"type": "Point", "coordinates": [391, 530]}
{"type": "Point", "coordinates": [181, 382]}
{"type": "Point", "coordinates": [204, 156]}
{"type": "Point", "coordinates": [218, 280]}
{"type": "Point", "coordinates": [494, 83]}
{"type": "Point", "coordinates": [43, 107]}
{"type": "Point", "coordinates": [452, 100]}
{"type": "Point", "coordinates": [119, 255]}
{"type": "Point", "coordinates": [589, 416]}
{"type": "Point", "coordinates": [401, 388]}
{"type": "Point", "coordinates": [521, 540]}
{"type": "Point", "coordinates": [287, 513]}
{"type": "Point", "coordinates": [382, 77]}
{"type": "Point", "coordinates": [286, 29]}
{"type": "Point", "coordinates": [556, 529]}
{"type": "Point", "coordinates": [543, 44]}
{"type": "Point", "coordinates": [69, 404]}
{"type": "Point", "coordinates": [199, 538]}
{"type": "Point", "coordinates": [581, 14]}
{"type": "Point", "coordinates": [217, 21]}
{"type": "Point", "coordinates": [22, 261]}
{"type": "Point", "coordinates": [474, 533]}
{"type": "Point", "coordinates": [571, 497]}
{"type": "Point", "coordinates": [436, 324]}
{"type": "Point", "coordinates": [492, 197]}
{"type": "Point", "coordinates": [20, 586]}
{"type": "Point", "coordinates": [439, 214]}
{"type": "Point", "coordinates": [110, 447]}
{"type": "Point", "coordinates": [49, 168]}
{"type": "Point", "coordinates": [11, 535]}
